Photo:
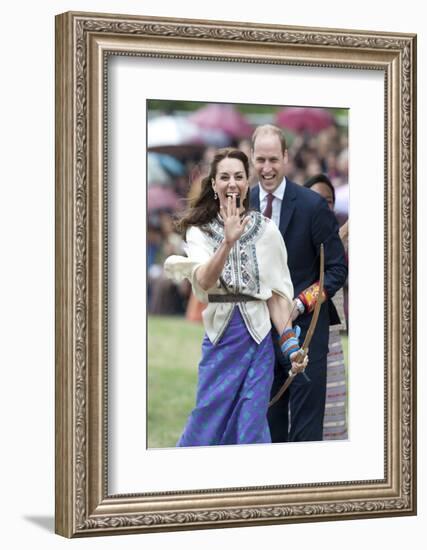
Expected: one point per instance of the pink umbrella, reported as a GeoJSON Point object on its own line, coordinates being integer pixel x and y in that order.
{"type": "Point", "coordinates": [222, 117]}
{"type": "Point", "coordinates": [162, 198]}
{"type": "Point", "coordinates": [304, 119]}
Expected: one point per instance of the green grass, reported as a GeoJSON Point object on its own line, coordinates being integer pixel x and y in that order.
{"type": "Point", "coordinates": [174, 351]}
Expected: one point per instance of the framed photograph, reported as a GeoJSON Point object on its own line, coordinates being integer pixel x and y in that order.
{"type": "Point", "coordinates": [183, 138]}
{"type": "Point", "coordinates": [121, 368]}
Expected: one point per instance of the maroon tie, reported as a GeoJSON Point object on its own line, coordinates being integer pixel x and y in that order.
{"type": "Point", "coordinates": [269, 208]}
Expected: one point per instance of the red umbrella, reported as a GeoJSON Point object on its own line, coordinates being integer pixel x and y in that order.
{"type": "Point", "coordinates": [305, 119]}
{"type": "Point", "coordinates": [222, 117]}
{"type": "Point", "coordinates": [162, 198]}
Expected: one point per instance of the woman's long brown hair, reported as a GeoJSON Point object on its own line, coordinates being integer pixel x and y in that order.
{"type": "Point", "coordinates": [205, 207]}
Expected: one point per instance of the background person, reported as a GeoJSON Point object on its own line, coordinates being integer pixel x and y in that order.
{"type": "Point", "coordinates": [335, 422]}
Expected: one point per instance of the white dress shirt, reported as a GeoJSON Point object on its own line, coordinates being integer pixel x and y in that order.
{"type": "Point", "coordinates": [278, 195]}
{"type": "Point", "coordinates": [256, 266]}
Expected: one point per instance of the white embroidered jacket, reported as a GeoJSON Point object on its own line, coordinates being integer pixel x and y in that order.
{"type": "Point", "coordinates": [256, 266]}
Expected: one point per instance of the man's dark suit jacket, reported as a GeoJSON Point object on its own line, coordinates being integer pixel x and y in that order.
{"type": "Point", "coordinates": [305, 222]}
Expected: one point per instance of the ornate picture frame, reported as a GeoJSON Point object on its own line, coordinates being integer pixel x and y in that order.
{"type": "Point", "coordinates": [84, 42]}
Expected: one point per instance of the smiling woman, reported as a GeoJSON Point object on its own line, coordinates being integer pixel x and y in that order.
{"type": "Point", "coordinates": [228, 174]}
{"type": "Point", "coordinates": [231, 184]}
{"type": "Point", "coordinates": [237, 263]}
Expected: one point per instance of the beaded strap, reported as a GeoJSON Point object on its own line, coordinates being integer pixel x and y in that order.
{"type": "Point", "coordinates": [310, 295]}
{"type": "Point", "coordinates": [289, 342]}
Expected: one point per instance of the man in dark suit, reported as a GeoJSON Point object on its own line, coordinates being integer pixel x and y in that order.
{"type": "Point", "coordinates": [305, 221]}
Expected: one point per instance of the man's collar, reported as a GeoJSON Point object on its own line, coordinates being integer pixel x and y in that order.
{"type": "Point", "coordinates": [279, 192]}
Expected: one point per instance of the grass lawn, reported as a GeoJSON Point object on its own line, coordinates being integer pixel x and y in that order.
{"type": "Point", "coordinates": [174, 351]}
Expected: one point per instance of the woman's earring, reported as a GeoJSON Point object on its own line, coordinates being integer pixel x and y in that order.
{"type": "Point", "coordinates": [215, 195]}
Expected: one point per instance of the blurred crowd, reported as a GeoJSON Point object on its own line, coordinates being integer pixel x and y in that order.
{"type": "Point", "coordinates": [181, 146]}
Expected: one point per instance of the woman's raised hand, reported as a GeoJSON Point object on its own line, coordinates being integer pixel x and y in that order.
{"type": "Point", "coordinates": [234, 225]}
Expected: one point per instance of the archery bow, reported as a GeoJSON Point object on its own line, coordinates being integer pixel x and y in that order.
{"type": "Point", "coordinates": [304, 349]}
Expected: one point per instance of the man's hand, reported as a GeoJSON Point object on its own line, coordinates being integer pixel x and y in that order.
{"type": "Point", "coordinates": [299, 362]}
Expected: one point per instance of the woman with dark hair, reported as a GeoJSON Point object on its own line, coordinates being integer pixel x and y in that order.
{"type": "Point", "coordinates": [334, 421]}
{"type": "Point", "coordinates": [321, 184]}
{"type": "Point", "coordinates": [237, 264]}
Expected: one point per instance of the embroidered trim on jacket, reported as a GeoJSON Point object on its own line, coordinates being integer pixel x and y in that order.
{"type": "Point", "coordinates": [241, 271]}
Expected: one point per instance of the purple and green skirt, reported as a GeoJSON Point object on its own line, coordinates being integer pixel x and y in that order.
{"type": "Point", "coordinates": [233, 391]}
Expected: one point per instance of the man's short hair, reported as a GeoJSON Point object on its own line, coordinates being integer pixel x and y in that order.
{"type": "Point", "coordinates": [272, 130]}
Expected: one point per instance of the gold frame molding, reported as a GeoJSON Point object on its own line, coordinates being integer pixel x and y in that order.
{"type": "Point", "coordinates": [83, 43]}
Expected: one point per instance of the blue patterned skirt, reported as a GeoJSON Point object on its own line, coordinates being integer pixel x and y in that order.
{"type": "Point", "coordinates": [234, 383]}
